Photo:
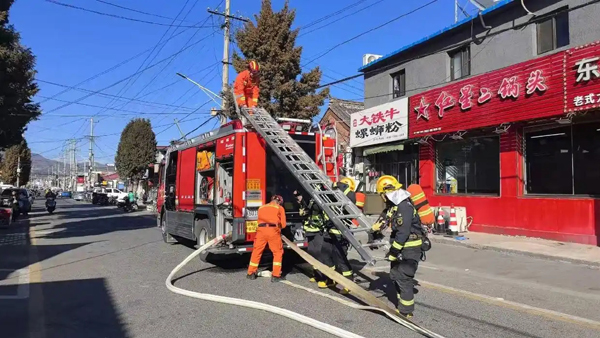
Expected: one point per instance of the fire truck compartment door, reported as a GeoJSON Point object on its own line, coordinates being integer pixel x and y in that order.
{"type": "Point", "coordinates": [180, 224]}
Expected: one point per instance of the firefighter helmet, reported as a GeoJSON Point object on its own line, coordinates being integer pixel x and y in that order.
{"type": "Point", "coordinates": [277, 198]}
{"type": "Point", "coordinates": [349, 182]}
{"type": "Point", "coordinates": [387, 183]}
{"type": "Point", "coordinates": [253, 67]}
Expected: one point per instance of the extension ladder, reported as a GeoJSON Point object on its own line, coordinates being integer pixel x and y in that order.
{"type": "Point", "coordinates": [340, 210]}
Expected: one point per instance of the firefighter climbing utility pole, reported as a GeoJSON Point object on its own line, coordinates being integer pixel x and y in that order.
{"type": "Point", "coordinates": [226, 38]}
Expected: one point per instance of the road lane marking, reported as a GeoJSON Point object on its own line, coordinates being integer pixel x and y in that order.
{"type": "Point", "coordinates": [37, 320]}
{"type": "Point", "coordinates": [592, 324]}
{"type": "Point", "coordinates": [22, 284]}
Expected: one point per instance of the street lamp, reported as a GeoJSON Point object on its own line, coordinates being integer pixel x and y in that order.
{"type": "Point", "coordinates": [212, 96]}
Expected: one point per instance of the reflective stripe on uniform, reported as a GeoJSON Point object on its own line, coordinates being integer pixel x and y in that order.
{"type": "Point", "coordinates": [254, 264]}
{"type": "Point", "coordinates": [392, 258]}
{"type": "Point", "coordinates": [347, 273]}
{"type": "Point", "coordinates": [406, 302]}
{"type": "Point", "coordinates": [409, 244]}
{"type": "Point", "coordinates": [418, 196]}
{"type": "Point", "coordinates": [426, 212]}
{"type": "Point", "coordinates": [255, 100]}
{"type": "Point", "coordinates": [243, 98]}
{"type": "Point", "coordinates": [335, 231]}
{"type": "Point", "coordinates": [347, 191]}
{"type": "Point", "coordinates": [276, 263]}
{"type": "Point", "coordinates": [360, 204]}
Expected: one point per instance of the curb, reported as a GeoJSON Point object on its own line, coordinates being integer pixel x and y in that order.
{"type": "Point", "coordinates": [436, 239]}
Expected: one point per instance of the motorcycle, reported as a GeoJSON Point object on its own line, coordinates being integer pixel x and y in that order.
{"type": "Point", "coordinates": [112, 200]}
{"type": "Point", "coordinates": [126, 205]}
{"type": "Point", "coordinates": [50, 205]}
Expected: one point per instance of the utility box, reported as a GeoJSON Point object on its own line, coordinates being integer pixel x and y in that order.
{"type": "Point", "coordinates": [374, 204]}
{"type": "Point", "coordinates": [461, 217]}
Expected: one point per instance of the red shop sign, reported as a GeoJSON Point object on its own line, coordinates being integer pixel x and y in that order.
{"type": "Point", "coordinates": [528, 90]}
{"type": "Point", "coordinates": [582, 83]}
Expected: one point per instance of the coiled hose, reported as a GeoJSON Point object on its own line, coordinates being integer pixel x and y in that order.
{"type": "Point", "coordinates": [248, 303]}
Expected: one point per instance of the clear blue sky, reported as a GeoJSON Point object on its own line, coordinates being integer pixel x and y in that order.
{"type": "Point", "coordinates": [72, 45]}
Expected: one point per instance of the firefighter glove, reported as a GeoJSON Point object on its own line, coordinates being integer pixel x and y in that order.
{"type": "Point", "coordinates": [393, 255]}
{"type": "Point", "coordinates": [302, 212]}
{"type": "Point", "coordinates": [376, 226]}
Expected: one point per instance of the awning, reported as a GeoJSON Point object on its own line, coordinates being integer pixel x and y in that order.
{"type": "Point", "coordinates": [384, 148]}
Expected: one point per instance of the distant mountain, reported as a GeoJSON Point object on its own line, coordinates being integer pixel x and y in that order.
{"type": "Point", "coordinates": [41, 165]}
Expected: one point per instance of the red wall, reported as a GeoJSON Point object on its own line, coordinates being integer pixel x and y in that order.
{"type": "Point", "coordinates": [513, 213]}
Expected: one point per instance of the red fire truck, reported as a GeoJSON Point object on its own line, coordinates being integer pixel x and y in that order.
{"type": "Point", "coordinates": [214, 184]}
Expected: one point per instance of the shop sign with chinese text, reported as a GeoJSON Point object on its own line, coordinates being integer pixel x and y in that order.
{"type": "Point", "coordinates": [528, 90]}
{"type": "Point", "coordinates": [582, 83]}
{"type": "Point", "coordinates": [381, 124]}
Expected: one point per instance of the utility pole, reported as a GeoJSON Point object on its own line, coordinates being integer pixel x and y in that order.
{"type": "Point", "coordinates": [226, 38]}
{"type": "Point", "coordinates": [18, 170]}
{"type": "Point", "coordinates": [91, 163]}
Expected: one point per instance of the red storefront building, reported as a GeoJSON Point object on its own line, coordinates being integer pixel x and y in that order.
{"type": "Point", "coordinates": [519, 147]}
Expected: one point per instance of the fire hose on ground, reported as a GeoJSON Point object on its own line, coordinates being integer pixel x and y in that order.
{"type": "Point", "coordinates": [368, 298]}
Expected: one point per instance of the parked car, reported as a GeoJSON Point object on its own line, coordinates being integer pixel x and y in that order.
{"type": "Point", "coordinates": [66, 194]}
{"type": "Point", "coordinates": [24, 204]}
{"type": "Point", "coordinates": [112, 192]}
{"type": "Point", "coordinates": [79, 196]}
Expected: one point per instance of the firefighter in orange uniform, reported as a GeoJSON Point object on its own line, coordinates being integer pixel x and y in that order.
{"type": "Point", "coordinates": [271, 219]}
{"type": "Point", "coordinates": [245, 88]}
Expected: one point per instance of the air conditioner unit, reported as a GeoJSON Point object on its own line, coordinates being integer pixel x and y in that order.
{"type": "Point", "coordinates": [368, 58]}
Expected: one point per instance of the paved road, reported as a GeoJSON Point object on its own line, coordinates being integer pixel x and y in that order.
{"type": "Point", "coordinates": [91, 271]}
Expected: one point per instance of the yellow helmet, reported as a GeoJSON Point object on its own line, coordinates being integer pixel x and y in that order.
{"type": "Point", "coordinates": [387, 183]}
{"type": "Point", "coordinates": [349, 182]}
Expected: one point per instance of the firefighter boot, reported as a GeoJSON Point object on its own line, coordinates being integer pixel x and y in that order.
{"type": "Point", "coordinates": [405, 315]}
{"type": "Point", "coordinates": [251, 276]}
{"type": "Point", "coordinates": [276, 279]}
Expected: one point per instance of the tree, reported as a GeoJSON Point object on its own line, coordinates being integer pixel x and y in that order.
{"type": "Point", "coordinates": [9, 165]}
{"type": "Point", "coordinates": [284, 90]}
{"type": "Point", "coordinates": [17, 85]}
{"type": "Point", "coordinates": [137, 149]}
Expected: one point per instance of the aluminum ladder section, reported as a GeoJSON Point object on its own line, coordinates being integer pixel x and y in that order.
{"type": "Point", "coordinates": [340, 210]}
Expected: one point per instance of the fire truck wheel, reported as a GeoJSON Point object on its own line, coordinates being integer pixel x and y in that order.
{"type": "Point", "coordinates": [163, 229]}
{"type": "Point", "coordinates": [202, 237]}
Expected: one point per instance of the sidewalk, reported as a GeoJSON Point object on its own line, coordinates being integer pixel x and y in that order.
{"type": "Point", "coordinates": [535, 247]}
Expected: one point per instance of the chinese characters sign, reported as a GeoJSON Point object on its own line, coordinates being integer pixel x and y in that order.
{"type": "Point", "coordinates": [582, 83]}
{"type": "Point", "coordinates": [507, 95]}
{"type": "Point", "coordinates": [381, 124]}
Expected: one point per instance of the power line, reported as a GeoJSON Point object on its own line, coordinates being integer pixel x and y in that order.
{"type": "Point", "coordinates": [96, 106]}
{"type": "Point", "coordinates": [370, 30]}
{"type": "Point", "coordinates": [170, 61]}
{"type": "Point", "coordinates": [126, 78]}
{"type": "Point", "coordinates": [323, 18]}
{"type": "Point", "coordinates": [129, 82]}
{"type": "Point", "coordinates": [120, 16]}
{"type": "Point", "coordinates": [342, 18]}
{"type": "Point", "coordinates": [136, 10]}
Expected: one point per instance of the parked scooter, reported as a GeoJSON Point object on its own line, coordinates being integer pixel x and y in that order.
{"type": "Point", "coordinates": [50, 205]}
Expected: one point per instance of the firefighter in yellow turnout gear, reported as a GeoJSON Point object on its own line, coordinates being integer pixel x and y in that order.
{"type": "Point", "coordinates": [335, 246]}
{"type": "Point", "coordinates": [313, 229]}
{"type": "Point", "coordinates": [406, 240]}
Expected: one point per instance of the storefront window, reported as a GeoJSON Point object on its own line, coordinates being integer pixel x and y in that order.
{"type": "Point", "coordinates": [400, 164]}
{"type": "Point", "coordinates": [470, 166]}
{"type": "Point", "coordinates": [563, 160]}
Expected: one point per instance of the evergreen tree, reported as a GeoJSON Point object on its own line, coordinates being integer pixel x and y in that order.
{"type": "Point", "coordinates": [9, 165]}
{"type": "Point", "coordinates": [16, 83]}
{"type": "Point", "coordinates": [284, 90]}
{"type": "Point", "coordinates": [137, 149]}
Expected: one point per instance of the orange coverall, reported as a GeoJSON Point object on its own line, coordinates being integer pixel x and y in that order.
{"type": "Point", "coordinates": [247, 88]}
{"type": "Point", "coordinates": [271, 219]}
